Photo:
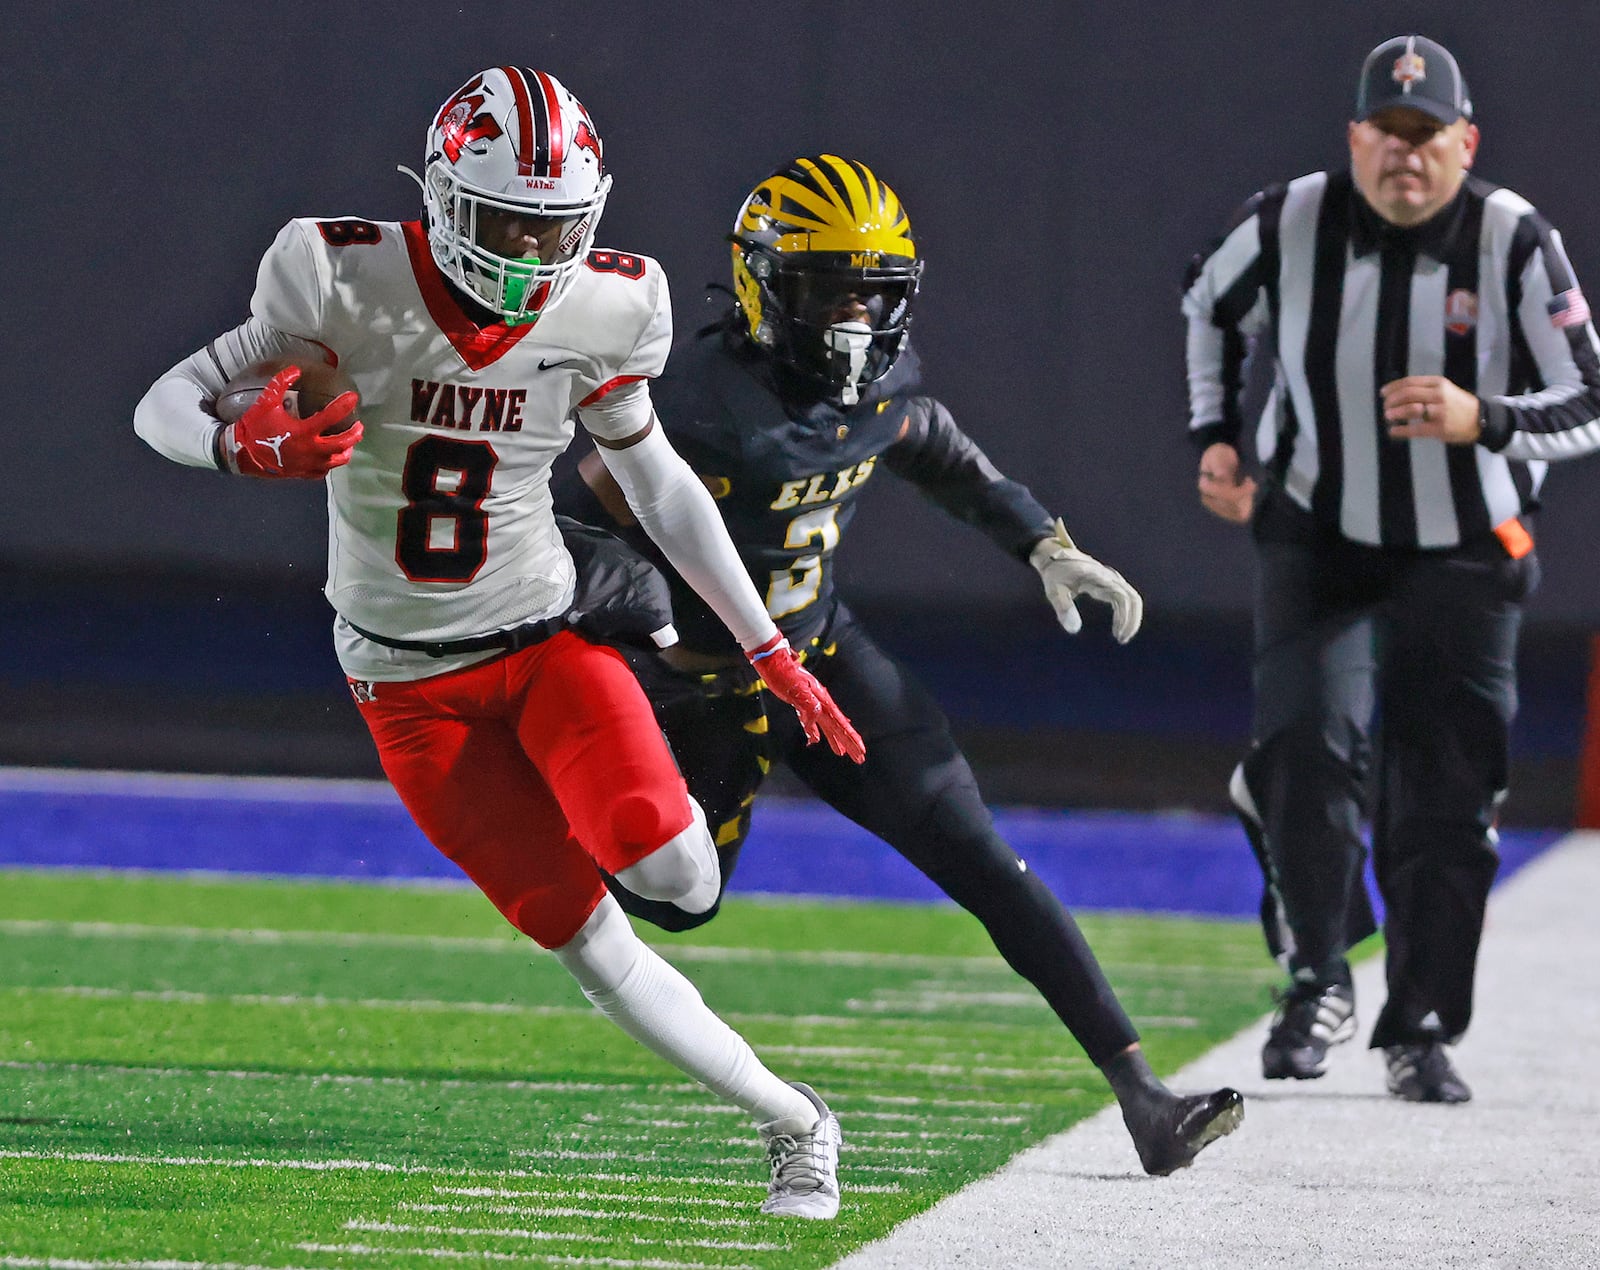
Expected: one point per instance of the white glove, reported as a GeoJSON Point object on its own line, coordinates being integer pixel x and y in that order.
{"type": "Point", "coordinates": [1069, 573]}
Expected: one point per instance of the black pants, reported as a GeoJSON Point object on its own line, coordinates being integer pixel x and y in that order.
{"type": "Point", "coordinates": [1405, 661]}
{"type": "Point", "coordinates": [915, 791]}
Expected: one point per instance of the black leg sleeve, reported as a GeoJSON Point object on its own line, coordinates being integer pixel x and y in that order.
{"type": "Point", "coordinates": [917, 792]}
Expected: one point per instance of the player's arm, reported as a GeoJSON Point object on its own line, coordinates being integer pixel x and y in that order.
{"type": "Point", "coordinates": [947, 465]}
{"type": "Point", "coordinates": [1225, 306]}
{"type": "Point", "coordinates": [1561, 418]}
{"type": "Point", "coordinates": [933, 453]}
{"type": "Point", "coordinates": [676, 510]}
{"type": "Point", "coordinates": [175, 416]}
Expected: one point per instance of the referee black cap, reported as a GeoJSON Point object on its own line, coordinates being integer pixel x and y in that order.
{"type": "Point", "coordinates": [1414, 71]}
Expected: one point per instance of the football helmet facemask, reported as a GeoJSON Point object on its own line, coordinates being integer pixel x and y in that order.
{"type": "Point", "coordinates": [514, 142]}
{"type": "Point", "coordinates": [825, 271]}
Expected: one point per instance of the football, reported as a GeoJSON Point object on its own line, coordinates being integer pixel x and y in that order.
{"type": "Point", "coordinates": [319, 384]}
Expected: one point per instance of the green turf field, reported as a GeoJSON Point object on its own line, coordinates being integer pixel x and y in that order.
{"type": "Point", "coordinates": [215, 1071]}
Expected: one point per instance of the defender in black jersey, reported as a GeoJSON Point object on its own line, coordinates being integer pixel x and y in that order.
{"type": "Point", "coordinates": [788, 409]}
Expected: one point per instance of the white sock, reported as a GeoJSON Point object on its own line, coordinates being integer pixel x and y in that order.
{"type": "Point", "coordinates": [664, 1012]}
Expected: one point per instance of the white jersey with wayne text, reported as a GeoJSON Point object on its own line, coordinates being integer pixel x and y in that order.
{"type": "Point", "coordinates": [440, 527]}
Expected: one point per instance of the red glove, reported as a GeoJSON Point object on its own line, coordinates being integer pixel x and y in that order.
{"type": "Point", "coordinates": [272, 442]}
{"type": "Point", "coordinates": [793, 684]}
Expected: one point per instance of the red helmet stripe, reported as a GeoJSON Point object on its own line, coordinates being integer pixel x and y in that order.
{"type": "Point", "coordinates": [530, 123]}
{"type": "Point", "coordinates": [558, 134]}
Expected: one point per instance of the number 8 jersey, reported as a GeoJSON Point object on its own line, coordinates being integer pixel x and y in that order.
{"type": "Point", "coordinates": [440, 527]}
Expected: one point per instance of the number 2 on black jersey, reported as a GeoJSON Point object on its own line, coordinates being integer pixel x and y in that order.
{"type": "Point", "coordinates": [792, 589]}
{"type": "Point", "coordinates": [443, 530]}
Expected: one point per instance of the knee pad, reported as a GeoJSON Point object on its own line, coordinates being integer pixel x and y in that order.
{"type": "Point", "coordinates": [683, 870]}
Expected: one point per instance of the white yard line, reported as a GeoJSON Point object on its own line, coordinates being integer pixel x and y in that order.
{"type": "Point", "coordinates": [1334, 1172]}
{"type": "Point", "coordinates": [509, 943]}
{"type": "Point", "coordinates": [529, 1258]}
{"type": "Point", "coordinates": [456, 1171]}
{"type": "Point", "coordinates": [79, 1263]}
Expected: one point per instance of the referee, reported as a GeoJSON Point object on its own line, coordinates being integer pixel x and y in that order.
{"type": "Point", "coordinates": [1431, 353]}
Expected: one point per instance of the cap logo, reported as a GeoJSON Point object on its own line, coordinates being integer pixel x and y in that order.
{"type": "Point", "coordinates": [1409, 69]}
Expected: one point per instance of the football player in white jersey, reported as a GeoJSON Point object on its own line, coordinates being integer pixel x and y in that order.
{"type": "Point", "coordinates": [528, 755]}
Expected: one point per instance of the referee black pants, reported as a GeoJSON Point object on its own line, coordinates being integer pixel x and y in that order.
{"type": "Point", "coordinates": [1403, 661]}
{"type": "Point", "coordinates": [915, 791]}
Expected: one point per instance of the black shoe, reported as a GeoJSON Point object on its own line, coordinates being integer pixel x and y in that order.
{"type": "Point", "coordinates": [1422, 1073]}
{"type": "Point", "coordinates": [1310, 1018]}
{"type": "Point", "coordinates": [1169, 1133]}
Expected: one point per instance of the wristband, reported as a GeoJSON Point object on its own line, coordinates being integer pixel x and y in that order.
{"type": "Point", "coordinates": [767, 649]}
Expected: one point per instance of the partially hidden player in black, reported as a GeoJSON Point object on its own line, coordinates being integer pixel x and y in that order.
{"type": "Point", "coordinates": [787, 409]}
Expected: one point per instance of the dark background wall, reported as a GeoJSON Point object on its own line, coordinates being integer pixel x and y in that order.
{"type": "Point", "coordinates": [1060, 162]}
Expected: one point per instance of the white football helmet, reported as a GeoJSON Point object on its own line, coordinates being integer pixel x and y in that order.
{"type": "Point", "coordinates": [513, 140]}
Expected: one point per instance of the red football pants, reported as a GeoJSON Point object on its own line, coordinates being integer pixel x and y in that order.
{"type": "Point", "coordinates": [530, 769]}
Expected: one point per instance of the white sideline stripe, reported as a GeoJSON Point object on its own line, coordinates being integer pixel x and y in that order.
{"type": "Point", "coordinates": [536, 1086]}
{"type": "Point", "coordinates": [323, 1078]}
{"type": "Point", "coordinates": [643, 1122]}
{"type": "Point", "coordinates": [850, 1145]}
{"type": "Point", "coordinates": [533, 1258]}
{"type": "Point", "coordinates": [380, 1166]}
{"type": "Point", "coordinates": [509, 943]}
{"type": "Point", "coordinates": [520, 945]}
{"type": "Point", "coordinates": [79, 1263]}
{"type": "Point", "coordinates": [318, 1166]}
{"type": "Point", "coordinates": [493, 1192]}
{"type": "Point", "coordinates": [334, 1166]}
{"type": "Point", "coordinates": [912, 1100]}
{"type": "Point", "coordinates": [422, 1005]}
{"type": "Point", "coordinates": [732, 1161]}
{"type": "Point", "coordinates": [552, 1210]}
{"type": "Point", "coordinates": [923, 1136]}
{"type": "Point", "coordinates": [551, 1236]}
{"type": "Point", "coordinates": [845, 1053]}
{"type": "Point", "coordinates": [178, 996]}
{"type": "Point", "coordinates": [902, 1117]}
{"type": "Point", "coordinates": [200, 1161]}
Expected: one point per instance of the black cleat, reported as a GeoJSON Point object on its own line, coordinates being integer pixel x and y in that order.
{"type": "Point", "coordinates": [1422, 1073]}
{"type": "Point", "coordinates": [1311, 1017]}
{"type": "Point", "coordinates": [1169, 1133]}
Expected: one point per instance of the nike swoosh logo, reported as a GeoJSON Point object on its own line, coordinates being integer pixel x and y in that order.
{"type": "Point", "coordinates": [566, 361]}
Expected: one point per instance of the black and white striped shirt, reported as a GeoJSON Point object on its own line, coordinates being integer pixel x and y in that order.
{"type": "Point", "coordinates": [1345, 302]}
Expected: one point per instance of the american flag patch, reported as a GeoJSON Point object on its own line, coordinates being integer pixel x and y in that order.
{"type": "Point", "coordinates": [1568, 309]}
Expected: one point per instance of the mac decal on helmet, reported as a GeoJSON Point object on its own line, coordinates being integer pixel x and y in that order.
{"type": "Point", "coordinates": [514, 140]}
{"type": "Point", "coordinates": [820, 239]}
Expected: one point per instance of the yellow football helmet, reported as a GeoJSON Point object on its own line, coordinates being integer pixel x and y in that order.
{"type": "Point", "coordinates": [825, 271]}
